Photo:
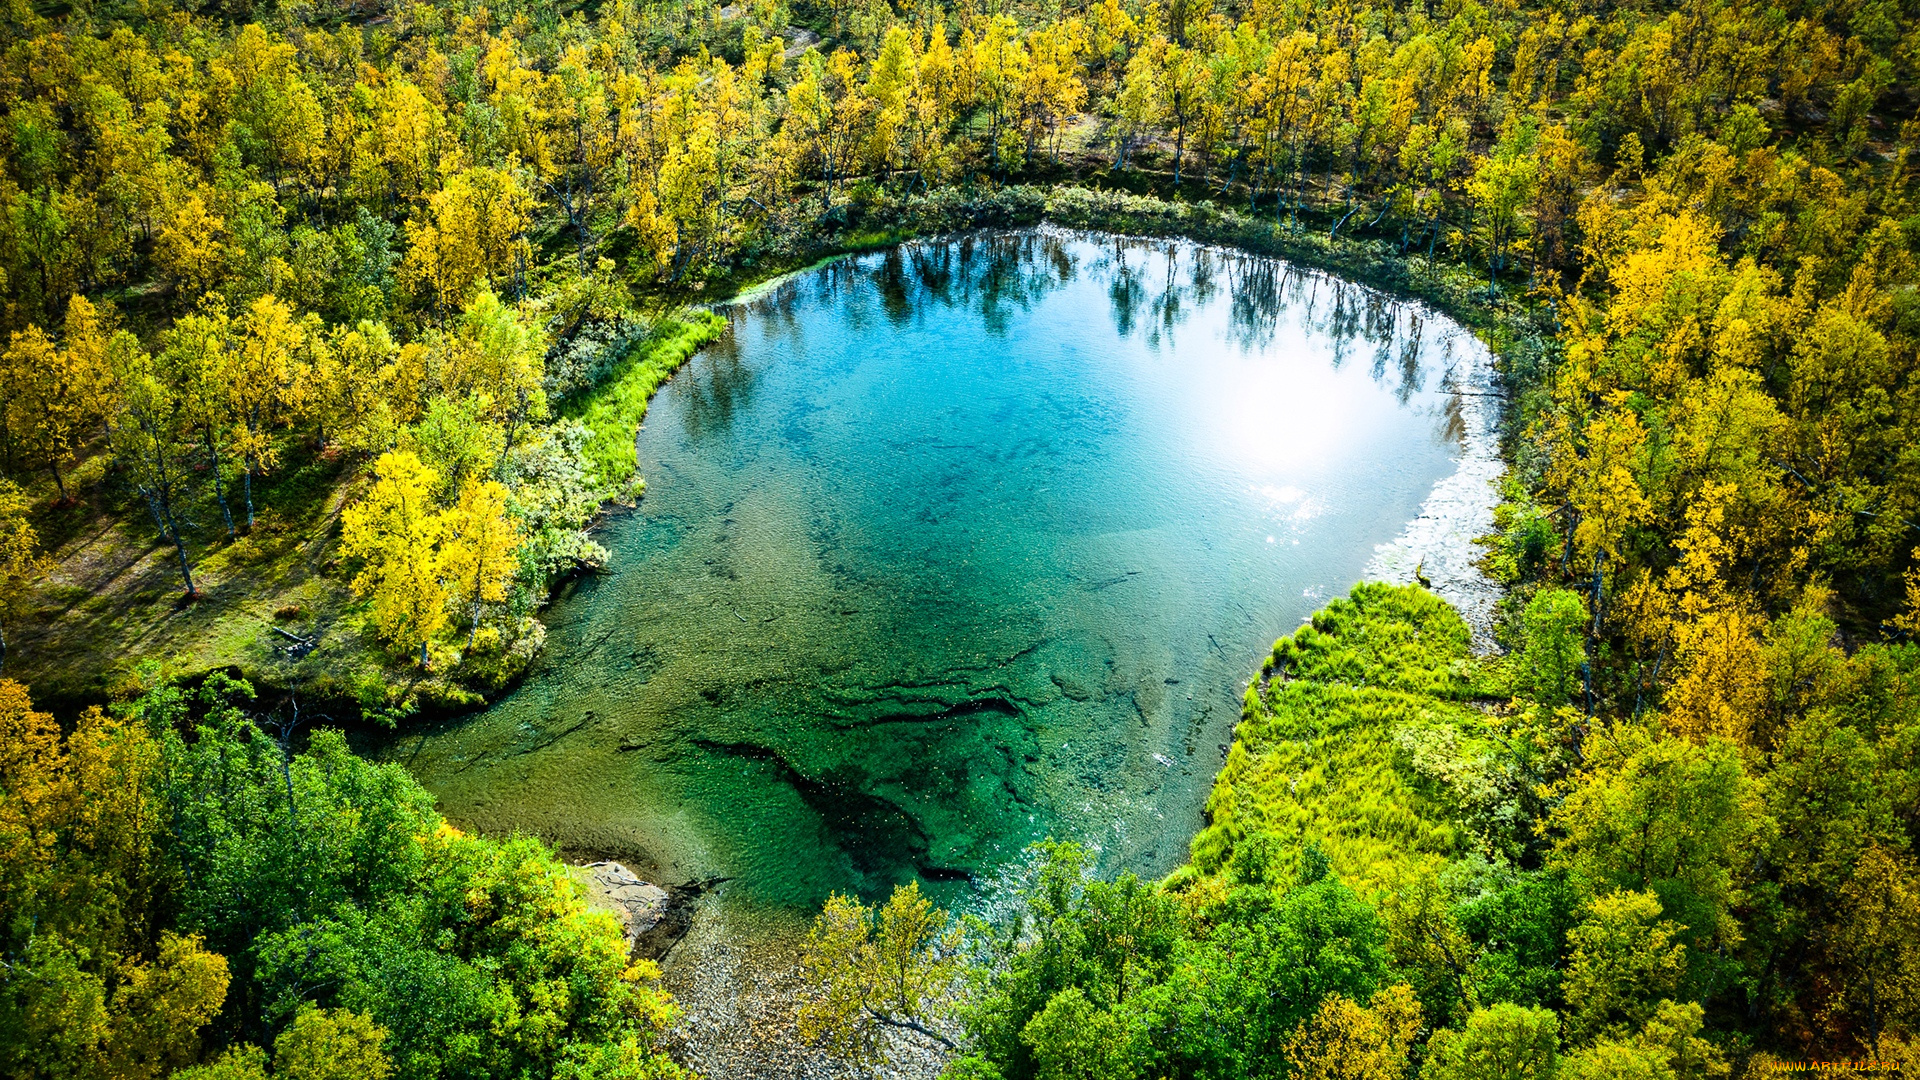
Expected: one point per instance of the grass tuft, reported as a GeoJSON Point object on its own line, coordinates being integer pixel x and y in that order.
{"type": "Point", "coordinates": [1316, 758]}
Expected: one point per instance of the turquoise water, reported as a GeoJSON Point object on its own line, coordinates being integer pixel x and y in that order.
{"type": "Point", "coordinates": [955, 547]}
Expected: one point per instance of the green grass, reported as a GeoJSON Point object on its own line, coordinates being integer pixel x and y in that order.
{"type": "Point", "coordinates": [612, 411]}
{"type": "Point", "coordinates": [1318, 756]}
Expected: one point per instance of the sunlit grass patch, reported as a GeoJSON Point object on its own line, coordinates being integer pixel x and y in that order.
{"type": "Point", "coordinates": [1318, 755]}
{"type": "Point", "coordinates": [613, 410]}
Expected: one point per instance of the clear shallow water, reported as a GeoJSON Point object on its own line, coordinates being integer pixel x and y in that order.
{"type": "Point", "coordinates": [956, 547]}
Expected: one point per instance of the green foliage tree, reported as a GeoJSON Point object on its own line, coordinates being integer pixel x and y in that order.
{"type": "Point", "coordinates": [1547, 664]}
{"type": "Point", "coordinates": [1073, 1039]}
{"type": "Point", "coordinates": [1110, 940]}
{"type": "Point", "coordinates": [351, 909]}
{"type": "Point", "coordinates": [1503, 1042]}
{"type": "Point", "coordinates": [1626, 960]}
{"type": "Point", "coordinates": [1665, 816]}
{"type": "Point", "coordinates": [1520, 922]}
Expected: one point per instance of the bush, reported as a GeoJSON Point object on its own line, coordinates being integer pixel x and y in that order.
{"type": "Point", "coordinates": [1547, 666]}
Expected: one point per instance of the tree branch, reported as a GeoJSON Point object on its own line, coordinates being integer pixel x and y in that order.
{"type": "Point", "coordinates": [910, 1025]}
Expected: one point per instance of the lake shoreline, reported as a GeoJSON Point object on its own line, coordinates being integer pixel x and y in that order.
{"type": "Point", "coordinates": [1441, 546]}
{"type": "Point", "coordinates": [718, 971]}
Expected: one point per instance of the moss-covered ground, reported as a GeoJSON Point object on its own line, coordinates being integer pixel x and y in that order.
{"type": "Point", "coordinates": [1325, 752]}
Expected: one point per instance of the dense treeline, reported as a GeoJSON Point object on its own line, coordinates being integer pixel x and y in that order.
{"type": "Point", "coordinates": [185, 891]}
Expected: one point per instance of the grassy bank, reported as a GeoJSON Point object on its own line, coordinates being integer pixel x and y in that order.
{"type": "Point", "coordinates": [1346, 739]}
{"type": "Point", "coordinates": [613, 410]}
{"type": "Point", "coordinates": [275, 604]}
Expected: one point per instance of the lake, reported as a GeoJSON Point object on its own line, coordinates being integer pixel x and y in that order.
{"type": "Point", "coordinates": [956, 547]}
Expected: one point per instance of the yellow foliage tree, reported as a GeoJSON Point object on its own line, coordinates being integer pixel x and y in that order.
{"type": "Point", "coordinates": [870, 970]}
{"type": "Point", "coordinates": [1877, 944]}
{"type": "Point", "coordinates": [1909, 619]}
{"type": "Point", "coordinates": [196, 363]}
{"type": "Point", "coordinates": [261, 374]}
{"type": "Point", "coordinates": [331, 1044]}
{"type": "Point", "coordinates": [350, 387]}
{"type": "Point", "coordinates": [1344, 1041]}
{"type": "Point", "coordinates": [21, 564]}
{"type": "Point", "coordinates": [1722, 675]}
{"type": "Point", "coordinates": [159, 1007]}
{"type": "Point", "coordinates": [472, 233]}
{"type": "Point", "coordinates": [51, 396]}
{"type": "Point", "coordinates": [191, 245]}
{"type": "Point", "coordinates": [478, 557]}
{"type": "Point", "coordinates": [1625, 960]}
{"type": "Point", "coordinates": [320, 1044]}
{"type": "Point", "coordinates": [396, 154]}
{"type": "Point", "coordinates": [397, 530]}
{"type": "Point", "coordinates": [93, 991]}
{"type": "Point", "coordinates": [1668, 1047]}
{"type": "Point", "coordinates": [1599, 473]}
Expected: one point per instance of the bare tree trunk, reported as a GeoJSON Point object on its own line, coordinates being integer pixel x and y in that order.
{"type": "Point", "coordinates": [249, 461]}
{"type": "Point", "coordinates": [160, 506]}
{"type": "Point", "coordinates": [219, 488]}
{"type": "Point", "coordinates": [473, 623]}
{"type": "Point", "coordinates": [286, 769]}
{"type": "Point", "coordinates": [1179, 149]}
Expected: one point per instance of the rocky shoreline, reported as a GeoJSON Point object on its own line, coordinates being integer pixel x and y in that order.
{"type": "Point", "coordinates": [654, 918]}
{"type": "Point", "coordinates": [736, 977]}
{"type": "Point", "coordinates": [1440, 549]}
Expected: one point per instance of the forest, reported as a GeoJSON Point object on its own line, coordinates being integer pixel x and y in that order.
{"type": "Point", "coordinates": [327, 326]}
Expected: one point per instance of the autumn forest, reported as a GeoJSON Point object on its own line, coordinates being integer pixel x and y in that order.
{"type": "Point", "coordinates": [326, 328]}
